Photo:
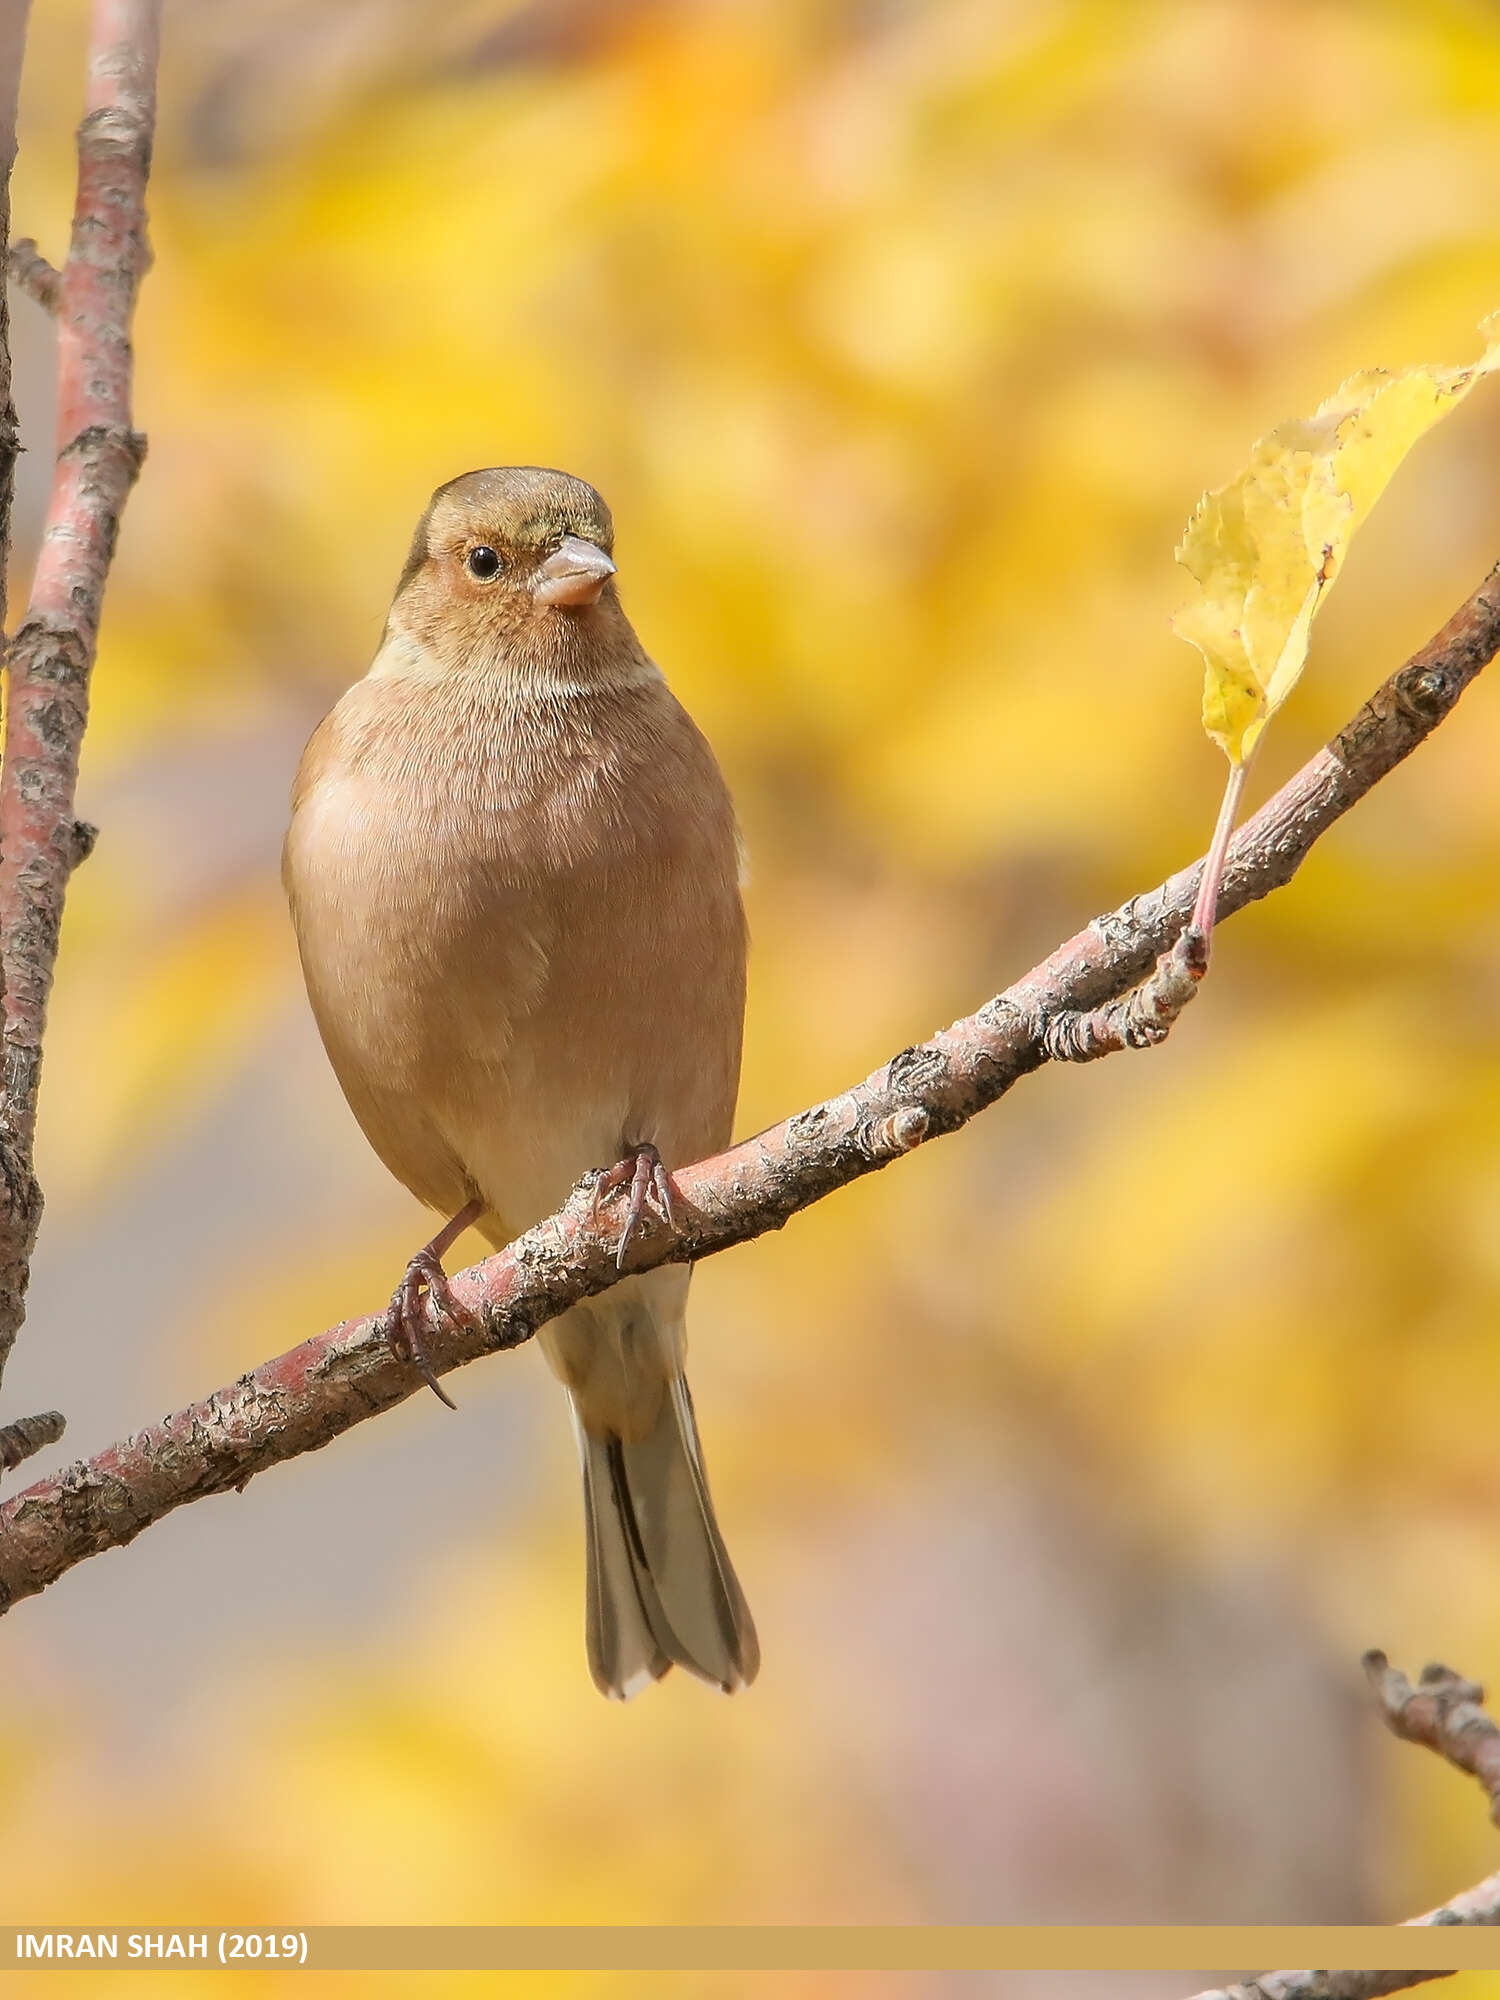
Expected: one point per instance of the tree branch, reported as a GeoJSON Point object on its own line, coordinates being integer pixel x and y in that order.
{"type": "Point", "coordinates": [49, 661]}
{"type": "Point", "coordinates": [1442, 1712]}
{"type": "Point", "coordinates": [13, 15]}
{"type": "Point", "coordinates": [1479, 1906]}
{"type": "Point", "coordinates": [28, 1434]}
{"type": "Point", "coordinates": [31, 271]}
{"type": "Point", "coordinates": [305, 1398]}
{"type": "Point", "coordinates": [1325, 1985]}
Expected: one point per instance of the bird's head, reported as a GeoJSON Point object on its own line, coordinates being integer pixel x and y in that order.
{"type": "Point", "coordinates": [513, 554]}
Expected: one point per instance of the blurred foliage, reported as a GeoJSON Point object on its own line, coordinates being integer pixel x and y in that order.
{"type": "Point", "coordinates": [1070, 1464]}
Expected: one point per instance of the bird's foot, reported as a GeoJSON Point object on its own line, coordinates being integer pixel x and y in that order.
{"type": "Point", "coordinates": [424, 1297]}
{"type": "Point", "coordinates": [650, 1187]}
{"type": "Point", "coordinates": [422, 1293]}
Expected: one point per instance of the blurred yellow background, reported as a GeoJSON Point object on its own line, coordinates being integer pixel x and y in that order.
{"type": "Point", "coordinates": [902, 338]}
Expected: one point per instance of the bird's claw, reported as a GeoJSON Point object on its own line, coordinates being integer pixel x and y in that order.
{"type": "Point", "coordinates": [650, 1187]}
{"type": "Point", "coordinates": [422, 1293]}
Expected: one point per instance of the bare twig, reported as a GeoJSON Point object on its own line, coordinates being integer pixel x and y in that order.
{"type": "Point", "coordinates": [1144, 1017]}
{"type": "Point", "coordinates": [1444, 1712]}
{"type": "Point", "coordinates": [49, 661]}
{"type": "Point", "coordinates": [1323, 1986]}
{"type": "Point", "coordinates": [305, 1398]}
{"type": "Point", "coordinates": [1479, 1906]}
{"type": "Point", "coordinates": [27, 1435]}
{"type": "Point", "coordinates": [31, 271]}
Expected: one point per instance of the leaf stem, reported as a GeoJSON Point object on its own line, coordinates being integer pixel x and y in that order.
{"type": "Point", "coordinates": [1206, 907]}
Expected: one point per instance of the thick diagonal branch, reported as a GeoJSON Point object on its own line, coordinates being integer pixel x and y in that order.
{"type": "Point", "coordinates": [305, 1398]}
{"type": "Point", "coordinates": [49, 661]}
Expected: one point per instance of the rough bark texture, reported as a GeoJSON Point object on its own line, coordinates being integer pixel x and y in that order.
{"type": "Point", "coordinates": [304, 1399]}
{"type": "Point", "coordinates": [50, 658]}
{"type": "Point", "coordinates": [13, 15]}
{"type": "Point", "coordinates": [31, 271]}
{"type": "Point", "coordinates": [1445, 1713]}
{"type": "Point", "coordinates": [1324, 1985]}
{"type": "Point", "coordinates": [1477, 1906]}
{"type": "Point", "coordinates": [19, 1440]}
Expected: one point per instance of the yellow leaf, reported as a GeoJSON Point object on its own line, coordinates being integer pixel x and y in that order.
{"type": "Point", "coordinates": [1265, 548]}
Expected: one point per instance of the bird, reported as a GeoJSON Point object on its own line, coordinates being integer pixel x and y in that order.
{"type": "Point", "coordinates": [514, 874]}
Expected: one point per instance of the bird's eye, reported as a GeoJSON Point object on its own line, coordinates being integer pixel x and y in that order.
{"type": "Point", "coordinates": [484, 563]}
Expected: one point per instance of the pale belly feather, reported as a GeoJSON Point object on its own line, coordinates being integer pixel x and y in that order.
{"type": "Point", "coordinates": [502, 1020]}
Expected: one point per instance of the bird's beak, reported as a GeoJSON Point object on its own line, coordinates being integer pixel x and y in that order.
{"type": "Point", "coordinates": [575, 574]}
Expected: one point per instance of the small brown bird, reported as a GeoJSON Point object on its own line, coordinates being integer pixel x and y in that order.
{"type": "Point", "coordinates": [513, 872]}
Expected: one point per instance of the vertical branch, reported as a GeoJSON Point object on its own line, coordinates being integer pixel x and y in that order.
{"type": "Point", "coordinates": [12, 43]}
{"type": "Point", "coordinates": [49, 661]}
{"type": "Point", "coordinates": [17, 1441]}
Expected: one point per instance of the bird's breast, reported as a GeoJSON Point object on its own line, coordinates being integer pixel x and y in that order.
{"type": "Point", "coordinates": [528, 923]}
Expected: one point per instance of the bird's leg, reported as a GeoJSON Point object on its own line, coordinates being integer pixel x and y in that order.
{"type": "Point", "coordinates": [423, 1291]}
{"type": "Point", "coordinates": [650, 1187]}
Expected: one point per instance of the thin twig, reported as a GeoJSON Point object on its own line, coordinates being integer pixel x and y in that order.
{"type": "Point", "coordinates": [27, 1435]}
{"type": "Point", "coordinates": [1144, 1017]}
{"type": "Point", "coordinates": [1445, 1713]}
{"type": "Point", "coordinates": [31, 271]}
{"type": "Point", "coordinates": [305, 1398]}
{"type": "Point", "coordinates": [50, 659]}
{"type": "Point", "coordinates": [1322, 1986]}
{"type": "Point", "coordinates": [1478, 1907]}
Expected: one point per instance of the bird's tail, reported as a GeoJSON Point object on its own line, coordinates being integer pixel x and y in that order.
{"type": "Point", "coordinates": [661, 1588]}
